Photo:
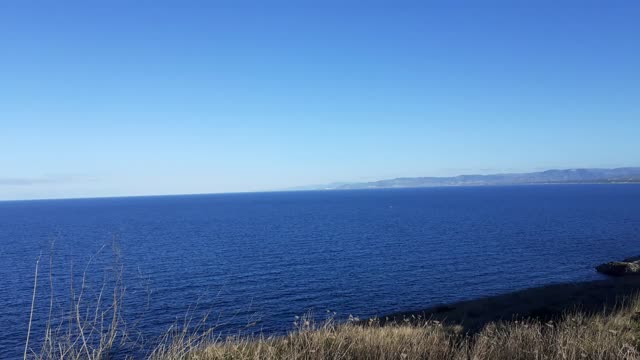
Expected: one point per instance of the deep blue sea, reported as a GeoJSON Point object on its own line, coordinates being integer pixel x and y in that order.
{"type": "Point", "coordinates": [254, 261]}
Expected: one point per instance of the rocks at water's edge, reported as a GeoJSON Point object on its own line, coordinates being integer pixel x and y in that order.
{"type": "Point", "coordinates": [630, 266]}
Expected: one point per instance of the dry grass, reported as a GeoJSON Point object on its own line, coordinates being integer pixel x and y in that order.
{"type": "Point", "coordinates": [90, 328]}
{"type": "Point", "coordinates": [575, 336]}
{"type": "Point", "coordinates": [611, 335]}
{"type": "Point", "coordinates": [95, 330]}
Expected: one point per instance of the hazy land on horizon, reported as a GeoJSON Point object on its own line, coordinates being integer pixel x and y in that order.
{"type": "Point", "coordinates": [554, 176]}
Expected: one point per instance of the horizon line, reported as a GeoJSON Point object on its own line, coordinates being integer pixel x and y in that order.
{"type": "Point", "coordinates": [300, 188]}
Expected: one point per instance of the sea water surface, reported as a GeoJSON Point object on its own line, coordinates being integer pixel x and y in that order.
{"type": "Point", "coordinates": [255, 261]}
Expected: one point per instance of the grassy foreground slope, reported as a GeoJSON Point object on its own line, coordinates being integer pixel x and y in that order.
{"type": "Point", "coordinates": [612, 334]}
{"type": "Point", "coordinates": [590, 320]}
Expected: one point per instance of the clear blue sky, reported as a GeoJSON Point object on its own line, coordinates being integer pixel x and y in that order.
{"type": "Point", "coordinates": [101, 98]}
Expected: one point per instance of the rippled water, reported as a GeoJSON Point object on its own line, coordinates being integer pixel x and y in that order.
{"type": "Point", "coordinates": [262, 258]}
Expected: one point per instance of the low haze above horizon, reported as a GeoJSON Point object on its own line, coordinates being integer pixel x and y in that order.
{"type": "Point", "coordinates": [127, 98]}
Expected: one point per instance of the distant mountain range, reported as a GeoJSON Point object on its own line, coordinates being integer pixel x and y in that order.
{"type": "Point", "coordinates": [568, 176]}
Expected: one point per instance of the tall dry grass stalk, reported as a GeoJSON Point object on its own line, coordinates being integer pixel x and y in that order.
{"type": "Point", "coordinates": [33, 305]}
{"type": "Point", "coordinates": [92, 326]}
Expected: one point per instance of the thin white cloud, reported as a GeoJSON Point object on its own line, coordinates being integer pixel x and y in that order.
{"type": "Point", "coordinates": [47, 179]}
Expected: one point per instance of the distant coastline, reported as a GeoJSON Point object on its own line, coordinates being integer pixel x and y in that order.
{"type": "Point", "coordinates": [626, 175]}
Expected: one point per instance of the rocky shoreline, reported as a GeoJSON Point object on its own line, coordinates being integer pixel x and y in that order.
{"type": "Point", "coordinates": [629, 266]}
{"type": "Point", "coordinates": [543, 303]}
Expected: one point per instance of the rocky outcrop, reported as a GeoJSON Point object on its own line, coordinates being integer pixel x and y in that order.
{"type": "Point", "coordinates": [630, 266]}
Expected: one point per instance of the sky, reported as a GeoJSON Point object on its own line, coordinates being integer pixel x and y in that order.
{"type": "Point", "coordinates": [119, 98]}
